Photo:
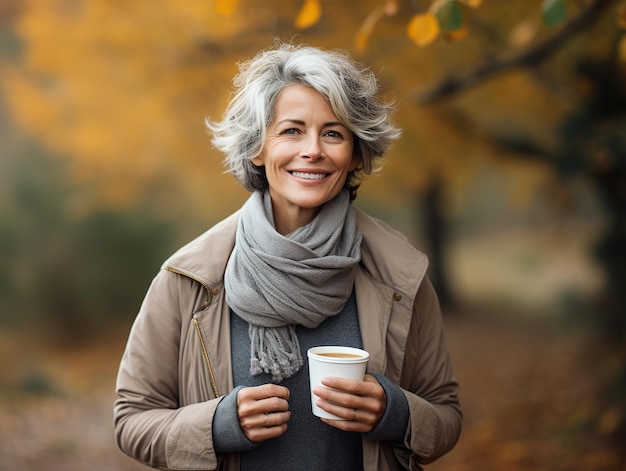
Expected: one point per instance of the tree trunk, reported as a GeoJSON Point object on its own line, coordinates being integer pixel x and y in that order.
{"type": "Point", "coordinates": [435, 233]}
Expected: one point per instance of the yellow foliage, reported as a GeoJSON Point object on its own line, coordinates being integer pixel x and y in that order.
{"type": "Point", "coordinates": [472, 3]}
{"type": "Point", "coordinates": [391, 7]}
{"type": "Point", "coordinates": [121, 89]}
{"type": "Point", "coordinates": [226, 7]}
{"type": "Point", "coordinates": [310, 14]}
{"type": "Point", "coordinates": [523, 33]}
{"type": "Point", "coordinates": [367, 27]}
{"type": "Point", "coordinates": [437, 4]}
{"type": "Point", "coordinates": [108, 84]}
{"type": "Point", "coordinates": [423, 29]}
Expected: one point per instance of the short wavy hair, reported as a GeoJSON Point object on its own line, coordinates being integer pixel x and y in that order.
{"type": "Point", "coordinates": [351, 89]}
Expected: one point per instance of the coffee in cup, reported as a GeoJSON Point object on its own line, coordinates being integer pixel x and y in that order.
{"type": "Point", "coordinates": [343, 362]}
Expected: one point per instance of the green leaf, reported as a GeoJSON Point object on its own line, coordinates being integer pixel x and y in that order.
{"type": "Point", "coordinates": [553, 12]}
{"type": "Point", "coordinates": [449, 15]}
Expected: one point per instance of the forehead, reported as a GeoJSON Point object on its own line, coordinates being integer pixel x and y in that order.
{"type": "Point", "coordinates": [297, 98]}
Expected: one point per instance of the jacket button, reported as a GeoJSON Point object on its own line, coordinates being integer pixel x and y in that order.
{"type": "Point", "coordinates": [214, 291]}
{"type": "Point", "coordinates": [397, 296]}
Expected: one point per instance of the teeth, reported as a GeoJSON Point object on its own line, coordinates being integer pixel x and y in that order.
{"type": "Point", "coordinates": [309, 176]}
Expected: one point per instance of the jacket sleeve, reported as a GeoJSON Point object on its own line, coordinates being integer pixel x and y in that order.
{"type": "Point", "coordinates": [430, 388]}
{"type": "Point", "coordinates": [150, 424]}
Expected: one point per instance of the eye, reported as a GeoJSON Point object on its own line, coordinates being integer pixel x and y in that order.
{"type": "Point", "coordinates": [334, 134]}
{"type": "Point", "coordinates": [290, 131]}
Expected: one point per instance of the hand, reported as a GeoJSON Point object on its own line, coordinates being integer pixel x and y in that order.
{"type": "Point", "coordinates": [362, 403]}
{"type": "Point", "coordinates": [263, 411]}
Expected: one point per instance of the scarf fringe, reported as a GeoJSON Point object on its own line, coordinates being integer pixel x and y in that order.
{"type": "Point", "coordinates": [275, 351]}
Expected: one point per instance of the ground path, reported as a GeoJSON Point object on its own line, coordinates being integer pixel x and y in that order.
{"type": "Point", "coordinates": [526, 394]}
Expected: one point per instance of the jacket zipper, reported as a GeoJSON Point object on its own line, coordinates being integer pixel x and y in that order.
{"type": "Point", "coordinates": [207, 360]}
{"type": "Point", "coordinates": [205, 352]}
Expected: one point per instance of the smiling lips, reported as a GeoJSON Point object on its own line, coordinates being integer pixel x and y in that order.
{"type": "Point", "coordinates": [309, 175]}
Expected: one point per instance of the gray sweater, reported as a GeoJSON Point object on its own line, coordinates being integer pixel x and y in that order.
{"type": "Point", "coordinates": [308, 444]}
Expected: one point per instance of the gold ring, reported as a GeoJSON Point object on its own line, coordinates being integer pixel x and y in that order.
{"type": "Point", "coordinates": [266, 420]}
{"type": "Point", "coordinates": [353, 414]}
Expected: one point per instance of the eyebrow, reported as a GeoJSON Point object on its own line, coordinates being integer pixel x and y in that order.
{"type": "Point", "coordinates": [302, 123]}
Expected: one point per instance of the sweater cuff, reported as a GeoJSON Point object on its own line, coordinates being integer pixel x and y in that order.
{"type": "Point", "coordinates": [393, 425]}
{"type": "Point", "coordinates": [227, 434]}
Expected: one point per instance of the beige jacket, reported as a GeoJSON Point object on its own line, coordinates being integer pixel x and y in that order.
{"type": "Point", "coordinates": [177, 363]}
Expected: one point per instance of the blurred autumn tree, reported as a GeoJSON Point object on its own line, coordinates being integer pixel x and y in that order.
{"type": "Point", "coordinates": [587, 40]}
{"type": "Point", "coordinates": [63, 277]}
{"type": "Point", "coordinates": [580, 57]}
{"type": "Point", "coordinates": [121, 89]}
{"type": "Point", "coordinates": [591, 134]}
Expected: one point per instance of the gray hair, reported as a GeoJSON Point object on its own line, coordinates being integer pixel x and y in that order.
{"type": "Point", "coordinates": [350, 88]}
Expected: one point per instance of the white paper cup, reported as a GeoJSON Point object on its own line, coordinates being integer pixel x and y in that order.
{"type": "Point", "coordinates": [347, 362]}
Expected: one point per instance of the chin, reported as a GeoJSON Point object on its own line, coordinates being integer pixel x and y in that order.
{"type": "Point", "coordinates": [313, 202]}
{"type": "Point", "coordinates": [310, 204]}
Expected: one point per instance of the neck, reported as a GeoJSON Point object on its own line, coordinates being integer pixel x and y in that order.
{"type": "Point", "coordinates": [287, 220]}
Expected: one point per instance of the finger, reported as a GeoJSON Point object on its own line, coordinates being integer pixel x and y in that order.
{"type": "Point", "coordinates": [268, 425]}
{"type": "Point", "coordinates": [354, 419]}
{"type": "Point", "coordinates": [348, 425]}
{"type": "Point", "coordinates": [274, 419]}
{"type": "Point", "coordinates": [265, 420]}
{"type": "Point", "coordinates": [259, 399]}
{"type": "Point", "coordinates": [367, 387]}
{"type": "Point", "coordinates": [372, 407]}
{"type": "Point", "coordinates": [260, 434]}
{"type": "Point", "coordinates": [264, 391]}
{"type": "Point", "coordinates": [345, 398]}
{"type": "Point", "coordinates": [251, 412]}
{"type": "Point", "coordinates": [349, 413]}
{"type": "Point", "coordinates": [338, 397]}
{"type": "Point", "coordinates": [370, 379]}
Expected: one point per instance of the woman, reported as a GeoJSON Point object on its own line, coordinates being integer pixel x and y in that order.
{"type": "Point", "coordinates": [214, 375]}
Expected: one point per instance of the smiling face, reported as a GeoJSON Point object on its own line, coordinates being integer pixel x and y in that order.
{"type": "Point", "coordinates": [307, 156]}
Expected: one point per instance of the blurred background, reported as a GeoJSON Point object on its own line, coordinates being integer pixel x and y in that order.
{"type": "Point", "coordinates": [510, 175]}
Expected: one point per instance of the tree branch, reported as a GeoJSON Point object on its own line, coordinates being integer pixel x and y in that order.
{"type": "Point", "coordinates": [530, 57]}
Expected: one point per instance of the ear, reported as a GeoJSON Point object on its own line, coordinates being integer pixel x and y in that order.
{"type": "Point", "coordinates": [259, 161]}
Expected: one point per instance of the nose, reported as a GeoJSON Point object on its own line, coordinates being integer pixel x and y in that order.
{"type": "Point", "coordinates": [312, 149]}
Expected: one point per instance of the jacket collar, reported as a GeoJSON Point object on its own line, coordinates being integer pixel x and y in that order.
{"type": "Point", "coordinates": [386, 255]}
{"type": "Point", "coordinates": [204, 259]}
{"type": "Point", "coordinates": [389, 258]}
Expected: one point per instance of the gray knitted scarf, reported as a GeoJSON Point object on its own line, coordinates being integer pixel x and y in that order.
{"type": "Point", "coordinates": [276, 282]}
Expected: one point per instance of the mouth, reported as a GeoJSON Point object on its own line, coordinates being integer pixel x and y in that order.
{"type": "Point", "coordinates": [309, 175]}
